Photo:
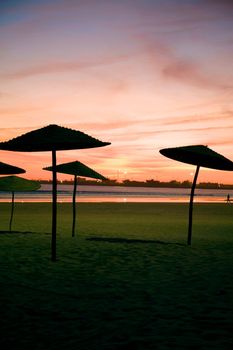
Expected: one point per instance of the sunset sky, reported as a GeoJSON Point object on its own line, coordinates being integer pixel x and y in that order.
{"type": "Point", "coordinates": [141, 74]}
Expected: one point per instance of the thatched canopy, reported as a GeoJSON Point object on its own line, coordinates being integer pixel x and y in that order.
{"type": "Point", "coordinates": [77, 168]}
{"type": "Point", "coordinates": [10, 169]}
{"type": "Point", "coordinates": [16, 183]}
{"type": "Point", "coordinates": [51, 137]}
{"type": "Point", "coordinates": [198, 155]}
{"type": "Point", "coordinates": [201, 156]}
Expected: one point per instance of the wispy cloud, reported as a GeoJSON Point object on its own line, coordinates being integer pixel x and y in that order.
{"type": "Point", "coordinates": [225, 4]}
{"type": "Point", "coordinates": [203, 129]}
{"type": "Point", "coordinates": [199, 119]}
{"type": "Point", "coordinates": [189, 72]}
{"type": "Point", "coordinates": [5, 111]}
{"type": "Point", "coordinates": [9, 133]}
{"type": "Point", "coordinates": [180, 16]}
{"type": "Point", "coordinates": [221, 142]}
{"type": "Point", "coordinates": [164, 60]}
{"type": "Point", "coordinates": [4, 94]}
{"type": "Point", "coordinates": [64, 66]}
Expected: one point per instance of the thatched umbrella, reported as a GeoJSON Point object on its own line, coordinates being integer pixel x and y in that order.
{"type": "Point", "coordinates": [6, 169]}
{"type": "Point", "coordinates": [52, 138]}
{"type": "Point", "coordinates": [200, 156]}
{"type": "Point", "coordinates": [77, 169]}
{"type": "Point", "coordinates": [16, 184]}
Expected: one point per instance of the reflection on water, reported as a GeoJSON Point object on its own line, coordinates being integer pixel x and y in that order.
{"type": "Point", "coordinates": [118, 194]}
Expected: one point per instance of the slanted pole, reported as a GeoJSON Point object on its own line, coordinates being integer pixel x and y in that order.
{"type": "Point", "coordinates": [191, 206]}
{"type": "Point", "coordinates": [74, 205]}
{"type": "Point", "coordinates": [12, 209]}
{"type": "Point", "coordinates": [54, 207]}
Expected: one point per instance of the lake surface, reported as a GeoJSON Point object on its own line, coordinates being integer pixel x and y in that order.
{"type": "Point", "coordinates": [118, 194]}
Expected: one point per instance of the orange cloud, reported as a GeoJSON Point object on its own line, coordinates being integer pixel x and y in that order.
{"type": "Point", "coordinates": [200, 118]}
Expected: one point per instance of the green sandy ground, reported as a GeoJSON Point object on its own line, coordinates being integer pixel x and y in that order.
{"type": "Point", "coordinates": [140, 287]}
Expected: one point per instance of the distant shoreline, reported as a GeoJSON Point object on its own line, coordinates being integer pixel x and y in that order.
{"type": "Point", "coordinates": [120, 194]}
{"type": "Point", "coordinates": [148, 183]}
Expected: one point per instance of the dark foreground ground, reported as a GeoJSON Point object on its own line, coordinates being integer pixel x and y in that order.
{"type": "Point", "coordinates": [126, 281]}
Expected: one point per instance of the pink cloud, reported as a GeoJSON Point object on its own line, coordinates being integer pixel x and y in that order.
{"type": "Point", "coordinates": [164, 60]}
{"type": "Point", "coordinates": [64, 66]}
{"type": "Point", "coordinates": [176, 16]}
{"type": "Point", "coordinates": [188, 72]}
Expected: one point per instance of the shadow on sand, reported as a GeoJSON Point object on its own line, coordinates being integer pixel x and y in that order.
{"type": "Point", "coordinates": [131, 241]}
{"type": "Point", "coordinates": [6, 232]}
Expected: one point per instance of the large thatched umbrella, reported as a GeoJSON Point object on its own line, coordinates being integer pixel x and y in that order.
{"type": "Point", "coordinates": [77, 169]}
{"type": "Point", "coordinates": [16, 184]}
{"type": "Point", "coordinates": [200, 156]}
{"type": "Point", "coordinates": [6, 169]}
{"type": "Point", "coordinates": [52, 138]}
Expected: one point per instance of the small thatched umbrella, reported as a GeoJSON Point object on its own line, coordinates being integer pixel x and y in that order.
{"type": "Point", "coordinates": [16, 184]}
{"type": "Point", "coordinates": [77, 169]}
{"type": "Point", "coordinates": [6, 169]}
{"type": "Point", "coordinates": [200, 156]}
{"type": "Point", "coordinates": [52, 138]}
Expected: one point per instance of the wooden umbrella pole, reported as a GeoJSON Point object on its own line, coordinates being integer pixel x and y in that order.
{"type": "Point", "coordinates": [12, 209]}
{"type": "Point", "coordinates": [191, 206]}
{"type": "Point", "coordinates": [54, 207]}
{"type": "Point", "coordinates": [74, 205]}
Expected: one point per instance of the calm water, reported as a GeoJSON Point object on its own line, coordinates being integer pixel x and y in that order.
{"type": "Point", "coordinates": [118, 194]}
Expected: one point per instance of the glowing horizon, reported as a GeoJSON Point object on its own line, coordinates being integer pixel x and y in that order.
{"type": "Point", "coordinates": [143, 75]}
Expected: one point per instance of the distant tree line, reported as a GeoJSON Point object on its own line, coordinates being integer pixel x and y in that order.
{"type": "Point", "coordinates": [147, 183]}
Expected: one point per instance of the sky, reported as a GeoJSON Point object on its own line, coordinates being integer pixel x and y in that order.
{"type": "Point", "coordinates": [141, 74]}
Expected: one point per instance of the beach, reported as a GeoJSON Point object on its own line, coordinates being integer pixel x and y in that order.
{"type": "Point", "coordinates": [127, 280]}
